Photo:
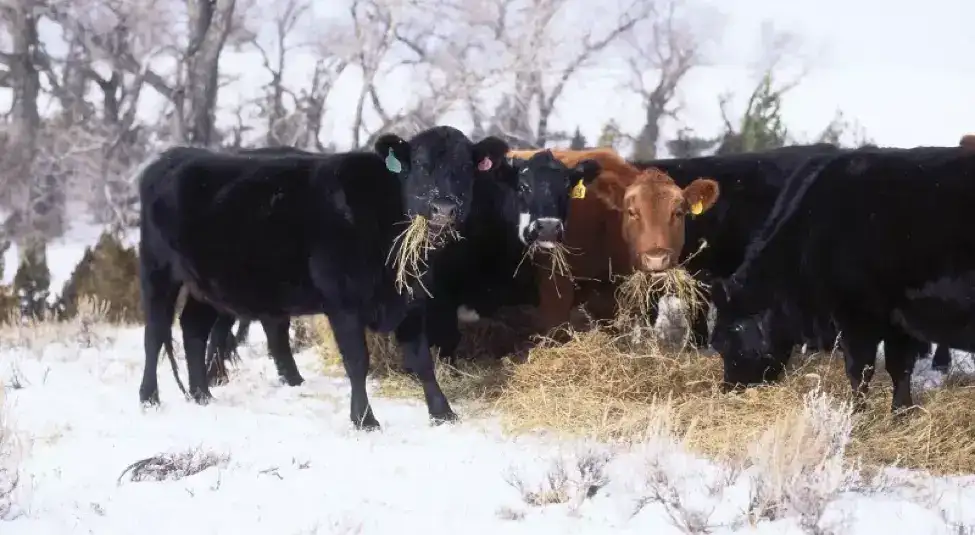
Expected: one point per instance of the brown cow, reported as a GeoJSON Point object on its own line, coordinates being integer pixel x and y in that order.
{"type": "Point", "coordinates": [627, 220]}
{"type": "Point", "coordinates": [967, 141]}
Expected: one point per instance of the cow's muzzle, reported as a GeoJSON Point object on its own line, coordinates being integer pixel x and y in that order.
{"type": "Point", "coordinates": [545, 232]}
{"type": "Point", "coordinates": [656, 260]}
{"type": "Point", "coordinates": [442, 214]}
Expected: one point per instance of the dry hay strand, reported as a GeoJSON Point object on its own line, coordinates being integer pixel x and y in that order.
{"type": "Point", "coordinates": [638, 291]}
{"type": "Point", "coordinates": [555, 259]}
{"type": "Point", "coordinates": [411, 248]}
{"type": "Point", "coordinates": [592, 387]}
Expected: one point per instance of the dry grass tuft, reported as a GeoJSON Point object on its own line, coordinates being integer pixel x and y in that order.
{"type": "Point", "coordinates": [411, 249]}
{"type": "Point", "coordinates": [172, 466]}
{"type": "Point", "coordinates": [9, 470]}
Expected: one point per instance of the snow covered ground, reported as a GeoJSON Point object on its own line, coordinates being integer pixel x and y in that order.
{"type": "Point", "coordinates": [287, 461]}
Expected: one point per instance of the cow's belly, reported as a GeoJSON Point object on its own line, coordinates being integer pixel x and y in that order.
{"type": "Point", "coordinates": [941, 311]}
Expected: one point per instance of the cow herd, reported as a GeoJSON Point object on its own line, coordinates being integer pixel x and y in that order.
{"type": "Point", "coordinates": [805, 244]}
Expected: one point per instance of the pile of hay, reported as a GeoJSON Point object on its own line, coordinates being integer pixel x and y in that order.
{"type": "Point", "coordinates": [592, 387]}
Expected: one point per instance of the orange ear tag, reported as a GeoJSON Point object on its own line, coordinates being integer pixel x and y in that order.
{"type": "Point", "coordinates": [697, 208]}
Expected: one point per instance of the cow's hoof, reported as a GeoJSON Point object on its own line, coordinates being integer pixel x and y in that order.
{"type": "Point", "coordinates": [292, 379]}
{"type": "Point", "coordinates": [202, 396]}
{"type": "Point", "coordinates": [149, 399]}
{"type": "Point", "coordinates": [444, 418]}
{"type": "Point", "coordinates": [900, 414]}
{"type": "Point", "coordinates": [367, 423]}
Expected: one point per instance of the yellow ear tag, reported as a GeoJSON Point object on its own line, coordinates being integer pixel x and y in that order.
{"type": "Point", "coordinates": [697, 208]}
{"type": "Point", "coordinates": [578, 191]}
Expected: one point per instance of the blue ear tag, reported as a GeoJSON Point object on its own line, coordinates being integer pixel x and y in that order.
{"type": "Point", "coordinates": [392, 163]}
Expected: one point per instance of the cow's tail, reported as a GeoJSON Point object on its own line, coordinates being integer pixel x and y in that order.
{"type": "Point", "coordinates": [172, 361]}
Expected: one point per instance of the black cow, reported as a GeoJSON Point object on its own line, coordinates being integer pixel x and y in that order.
{"type": "Point", "coordinates": [480, 274]}
{"type": "Point", "coordinates": [871, 240]}
{"type": "Point", "coordinates": [271, 238]}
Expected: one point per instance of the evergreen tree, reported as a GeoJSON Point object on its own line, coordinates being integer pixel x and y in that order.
{"type": "Point", "coordinates": [610, 136]}
{"type": "Point", "coordinates": [33, 280]}
{"type": "Point", "coordinates": [578, 141]}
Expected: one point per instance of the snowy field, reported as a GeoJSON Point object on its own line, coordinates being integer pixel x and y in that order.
{"type": "Point", "coordinates": [274, 459]}
{"type": "Point", "coordinates": [285, 460]}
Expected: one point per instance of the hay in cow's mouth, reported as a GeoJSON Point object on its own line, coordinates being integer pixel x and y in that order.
{"type": "Point", "coordinates": [636, 295]}
{"type": "Point", "coordinates": [558, 263]}
{"type": "Point", "coordinates": [411, 248]}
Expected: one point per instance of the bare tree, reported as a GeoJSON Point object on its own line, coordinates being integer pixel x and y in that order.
{"type": "Point", "coordinates": [668, 48]}
{"type": "Point", "coordinates": [20, 74]}
{"type": "Point", "coordinates": [542, 57]}
{"type": "Point", "coordinates": [282, 129]}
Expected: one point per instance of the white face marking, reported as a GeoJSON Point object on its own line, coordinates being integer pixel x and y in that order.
{"type": "Point", "coordinates": [467, 315]}
{"type": "Point", "coordinates": [546, 245]}
{"type": "Point", "coordinates": [524, 219]}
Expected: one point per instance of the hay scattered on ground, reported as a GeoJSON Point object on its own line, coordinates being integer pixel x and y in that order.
{"type": "Point", "coordinates": [591, 387]}
{"type": "Point", "coordinates": [411, 248]}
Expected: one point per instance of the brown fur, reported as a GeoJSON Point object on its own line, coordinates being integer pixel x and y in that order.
{"type": "Point", "coordinates": [600, 243]}
{"type": "Point", "coordinates": [967, 141]}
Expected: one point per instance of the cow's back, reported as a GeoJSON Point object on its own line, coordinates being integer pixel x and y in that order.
{"type": "Point", "coordinates": [244, 231]}
{"type": "Point", "coordinates": [750, 184]}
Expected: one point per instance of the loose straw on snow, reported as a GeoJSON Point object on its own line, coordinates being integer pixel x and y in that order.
{"type": "Point", "coordinates": [411, 256]}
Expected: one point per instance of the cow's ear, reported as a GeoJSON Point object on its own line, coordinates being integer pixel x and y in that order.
{"type": "Point", "coordinates": [701, 194]}
{"type": "Point", "coordinates": [395, 151]}
{"type": "Point", "coordinates": [587, 171]}
{"type": "Point", "coordinates": [610, 192]}
{"type": "Point", "coordinates": [489, 152]}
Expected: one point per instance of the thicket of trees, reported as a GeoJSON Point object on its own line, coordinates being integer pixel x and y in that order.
{"type": "Point", "coordinates": [76, 72]}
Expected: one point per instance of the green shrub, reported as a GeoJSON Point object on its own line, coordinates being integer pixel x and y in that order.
{"type": "Point", "coordinates": [108, 274]}
{"type": "Point", "coordinates": [32, 281]}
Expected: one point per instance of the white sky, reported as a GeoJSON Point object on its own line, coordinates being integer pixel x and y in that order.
{"type": "Point", "coordinates": [904, 70]}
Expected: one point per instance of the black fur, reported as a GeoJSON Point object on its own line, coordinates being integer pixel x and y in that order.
{"type": "Point", "coordinates": [871, 241]}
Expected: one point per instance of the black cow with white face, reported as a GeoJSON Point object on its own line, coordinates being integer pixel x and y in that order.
{"type": "Point", "coordinates": [526, 202]}
{"type": "Point", "coordinates": [269, 238]}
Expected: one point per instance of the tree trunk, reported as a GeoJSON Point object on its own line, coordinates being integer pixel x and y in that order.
{"type": "Point", "coordinates": [210, 22]}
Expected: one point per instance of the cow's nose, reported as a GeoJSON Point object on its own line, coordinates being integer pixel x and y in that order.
{"type": "Point", "coordinates": [548, 228]}
{"type": "Point", "coordinates": [655, 261]}
{"type": "Point", "coordinates": [442, 211]}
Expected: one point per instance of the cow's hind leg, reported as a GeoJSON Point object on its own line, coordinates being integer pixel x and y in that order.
{"type": "Point", "coordinates": [159, 293]}
{"type": "Point", "coordinates": [279, 346]}
{"type": "Point", "coordinates": [941, 361]}
{"type": "Point", "coordinates": [412, 338]}
{"type": "Point", "coordinates": [196, 321]}
{"type": "Point", "coordinates": [900, 354]}
{"type": "Point", "coordinates": [220, 349]}
{"type": "Point", "coordinates": [350, 337]}
{"type": "Point", "coordinates": [860, 354]}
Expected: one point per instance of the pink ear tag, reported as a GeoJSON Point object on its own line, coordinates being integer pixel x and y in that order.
{"type": "Point", "coordinates": [485, 164]}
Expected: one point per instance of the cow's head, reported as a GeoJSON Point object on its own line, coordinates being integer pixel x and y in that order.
{"type": "Point", "coordinates": [544, 187]}
{"type": "Point", "coordinates": [437, 168]}
{"type": "Point", "coordinates": [968, 141]}
{"type": "Point", "coordinates": [653, 209]}
{"type": "Point", "coordinates": [744, 339]}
